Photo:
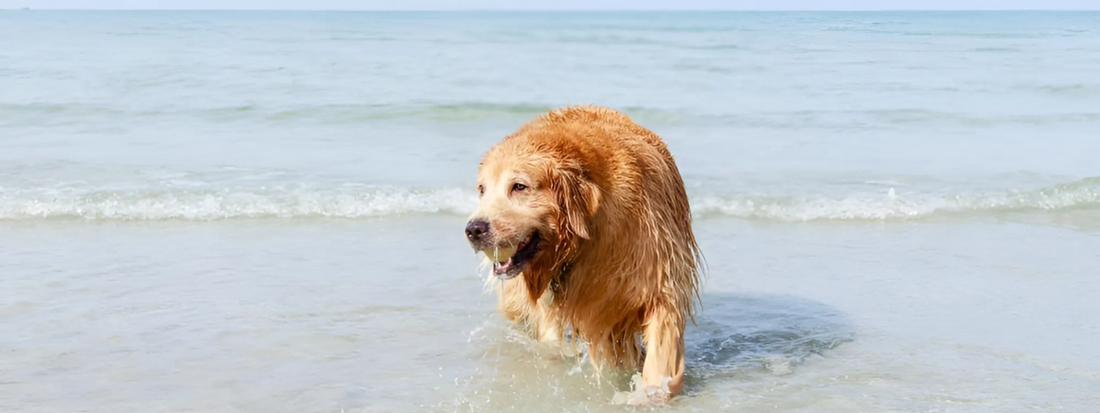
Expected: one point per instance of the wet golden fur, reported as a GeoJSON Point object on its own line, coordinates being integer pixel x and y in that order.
{"type": "Point", "coordinates": [617, 257]}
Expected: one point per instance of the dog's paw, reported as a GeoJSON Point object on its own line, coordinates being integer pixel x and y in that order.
{"type": "Point", "coordinates": [642, 395]}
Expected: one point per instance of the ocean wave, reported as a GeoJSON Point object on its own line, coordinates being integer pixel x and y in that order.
{"type": "Point", "coordinates": [454, 112]}
{"type": "Point", "coordinates": [53, 114]}
{"type": "Point", "coordinates": [373, 202]}
{"type": "Point", "coordinates": [40, 114]}
{"type": "Point", "coordinates": [210, 205]}
{"type": "Point", "coordinates": [37, 113]}
{"type": "Point", "coordinates": [893, 207]}
{"type": "Point", "coordinates": [1065, 89]}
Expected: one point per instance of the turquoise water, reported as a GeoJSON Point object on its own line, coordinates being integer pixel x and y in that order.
{"type": "Point", "coordinates": [261, 210]}
{"type": "Point", "coordinates": [788, 116]}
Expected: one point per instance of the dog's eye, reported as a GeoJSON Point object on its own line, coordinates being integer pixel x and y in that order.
{"type": "Point", "coordinates": [519, 187]}
{"type": "Point", "coordinates": [481, 190]}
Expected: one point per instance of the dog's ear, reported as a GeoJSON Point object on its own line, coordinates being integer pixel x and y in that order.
{"type": "Point", "coordinates": [578, 201]}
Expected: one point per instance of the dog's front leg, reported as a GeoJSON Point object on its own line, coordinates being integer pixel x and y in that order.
{"type": "Point", "coordinates": [515, 305]}
{"type": "Point", "coordinates": [664, 358]}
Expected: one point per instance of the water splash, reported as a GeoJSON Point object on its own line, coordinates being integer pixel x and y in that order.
{"type": "Point", "coordinates": [642, 395]}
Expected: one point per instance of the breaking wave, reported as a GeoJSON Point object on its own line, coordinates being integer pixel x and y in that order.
{"type": "Point", "coordinates": [372, 202]}
{"type": "Point", "coordinates": [209, 205]}
{"type": "Point", "coordinates": [891, 206]}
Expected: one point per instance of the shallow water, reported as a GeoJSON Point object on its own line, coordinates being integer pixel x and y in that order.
{"type": "Point", "coordinates": [384, 315]}
{"type": "Point", "coordinates": [262, 211]}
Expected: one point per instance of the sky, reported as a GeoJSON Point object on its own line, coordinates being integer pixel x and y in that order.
{"type": "Point", "coordinates": [560, 4]}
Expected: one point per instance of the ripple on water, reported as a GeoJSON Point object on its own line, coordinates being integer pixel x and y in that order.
{"type": "Point", "coordinates": [736, 334]}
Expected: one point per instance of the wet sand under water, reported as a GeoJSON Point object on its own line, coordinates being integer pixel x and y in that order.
{"type": "Point", "coordinates": [389, 315]}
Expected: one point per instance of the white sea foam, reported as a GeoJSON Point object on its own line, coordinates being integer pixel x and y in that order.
{"type": "Point", "coordinates": [896, 205]}
{"type": "Point", "coordinates": [206, 205]}
{"type": "Point", "coordinates": [369, 202]}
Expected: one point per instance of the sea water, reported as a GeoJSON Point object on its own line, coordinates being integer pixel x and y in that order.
{"type": "Point", "coordinates": [263, 211]}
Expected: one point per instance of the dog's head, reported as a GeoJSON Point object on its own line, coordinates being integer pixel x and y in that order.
{"type": "Point", "coordinates": [536, 205]}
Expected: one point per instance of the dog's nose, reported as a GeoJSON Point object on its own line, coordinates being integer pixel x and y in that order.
{"type": "Point", "coordinates": [477, 229]}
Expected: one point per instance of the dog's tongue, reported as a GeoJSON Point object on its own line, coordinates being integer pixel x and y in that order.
{"type": "Point", "coordinates": [500, 255]}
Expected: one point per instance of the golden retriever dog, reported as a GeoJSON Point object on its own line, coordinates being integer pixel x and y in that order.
{"type": "Point", "coordinates": [584, 216]}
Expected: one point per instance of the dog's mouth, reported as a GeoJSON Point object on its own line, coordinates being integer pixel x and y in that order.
{"type": "Point", "coordinates": [508, 262]}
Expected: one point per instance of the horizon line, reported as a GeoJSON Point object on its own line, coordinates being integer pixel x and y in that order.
{"type": "Point", "coordinates": [545, 10]}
